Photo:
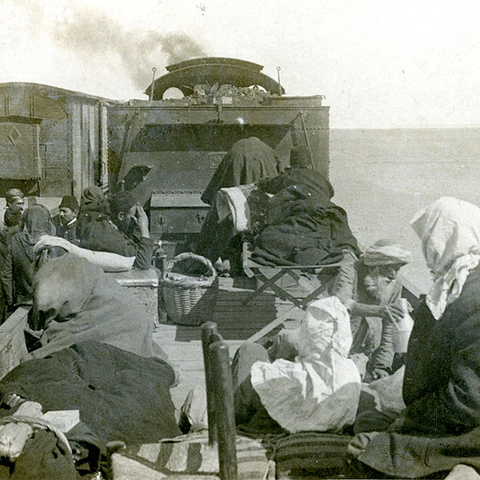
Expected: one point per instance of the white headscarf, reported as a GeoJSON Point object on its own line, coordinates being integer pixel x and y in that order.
{"type": "Point", "coordinates": [449, 229]}
{"type": "Point", "coordinates": [386, 252]}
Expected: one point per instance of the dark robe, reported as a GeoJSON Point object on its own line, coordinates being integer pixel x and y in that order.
{"type": "Point", "coordinates": [120, 396]}
{"type": "Point", "coordinates": [442, 393]}
{"type": "Point", "coordinates": [19, 268]}
{"type": "Point", "coordinates": [248, 161]}
{"type": "Point", "coordinates": [102, 235]}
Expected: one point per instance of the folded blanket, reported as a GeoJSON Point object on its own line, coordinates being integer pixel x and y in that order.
{"type": "Point", "coordinates": [233, 202]}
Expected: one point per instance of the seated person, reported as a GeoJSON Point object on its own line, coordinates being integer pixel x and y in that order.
{"type": "Point", "coordinates": [248, 161]}
{"type": "Point", "coordinates": [440, 427]}
{"type": "Point", "coordinates": [125, 232]}
{"type": "Point", "coordinates": [75, 301]}
{"type": "Point", "coordinates": [371, 291]}
{"type": "Point", "coordinates": [68, 217]}
{"type": "Point", "coordinates": [317, 390]}
{"type": "Point", "coordinates": [93, 206]}
{"type": "Point", "coordinates": [19, 268]}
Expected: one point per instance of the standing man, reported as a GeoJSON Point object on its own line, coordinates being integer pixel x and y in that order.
{"type": "Point", "coordinates": [13, 217]}
{"type": "Point", "coordinates": [16, 207]}
{"type": "Point", "coordinates": [68, 216]}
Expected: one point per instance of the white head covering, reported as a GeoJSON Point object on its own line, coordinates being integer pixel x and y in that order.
{"type": "Point", "coordinates": [449, 229]}
{"type": "Point", "coordinates": [326, 326]}
{"type": "Point", "coordinates": [386, 252]}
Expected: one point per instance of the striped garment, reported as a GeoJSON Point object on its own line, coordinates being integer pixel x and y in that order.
{"type": "Point", "coordinates": [312, 455]}
{"type": "Point", "coordinates": [189, 455]}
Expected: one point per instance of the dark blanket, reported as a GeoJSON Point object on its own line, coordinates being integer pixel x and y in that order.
{"type": "Point", "coordinates": [121, 396]}
{"type": "Point", "coordinates": [303, 227]}
{"type": "Point", "coordinates": [248, 161]}
{"type": "Point", "coordinates": [44, 457]}
{"type": "Point", "coordinates": [311, 182]}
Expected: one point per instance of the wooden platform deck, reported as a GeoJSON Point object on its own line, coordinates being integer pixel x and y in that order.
{"type": "Point", "coordinates": [236, 320]}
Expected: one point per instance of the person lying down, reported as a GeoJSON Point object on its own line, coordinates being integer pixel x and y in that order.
{"type": "Point", "coordinates": [75, 301]}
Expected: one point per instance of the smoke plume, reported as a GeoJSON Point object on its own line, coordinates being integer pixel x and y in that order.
{"type": "Point", "coordinates": [92, 33]}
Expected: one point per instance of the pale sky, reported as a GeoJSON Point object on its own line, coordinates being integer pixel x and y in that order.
{"type": "Point", "coordinates": [379, 63]}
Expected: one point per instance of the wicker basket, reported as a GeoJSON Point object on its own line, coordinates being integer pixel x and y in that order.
{"type": "Point", "coordinates": [187, 289]}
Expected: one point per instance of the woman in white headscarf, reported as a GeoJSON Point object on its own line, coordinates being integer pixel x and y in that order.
{"type": "Point", "coordinates": [440, 427]}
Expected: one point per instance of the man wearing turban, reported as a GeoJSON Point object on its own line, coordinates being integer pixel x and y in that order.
{"type": "Point", "coordinates": [371, 291]}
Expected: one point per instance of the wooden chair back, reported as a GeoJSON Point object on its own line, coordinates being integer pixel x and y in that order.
{"type": "Point", "coordinates": [220, 400]}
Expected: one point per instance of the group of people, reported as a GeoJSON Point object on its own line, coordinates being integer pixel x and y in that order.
{"type": "Point", "coordinates": [117, 226]}
{"type": "Point", "coordinates": [438, 426]}
{"type": "Point", "coordinates": [89, 340]}
{"type": "Point", "coordinates": [436, 430]}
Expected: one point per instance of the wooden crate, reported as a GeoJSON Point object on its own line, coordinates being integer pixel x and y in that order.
{"type": "Point", "coordinates": [12, 341]}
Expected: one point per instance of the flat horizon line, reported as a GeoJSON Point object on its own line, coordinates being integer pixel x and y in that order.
{"type": "Point", "coordinates": [440, 127]}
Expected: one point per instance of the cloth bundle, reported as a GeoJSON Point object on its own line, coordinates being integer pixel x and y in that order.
{"type": "Point", "coordinates": [233, 202]}
{"type": "Point", "coordinates": [320, 390]}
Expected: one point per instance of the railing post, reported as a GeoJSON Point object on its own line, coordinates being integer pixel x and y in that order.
{"type": "Point", "coordinates": [224, 410]}
{"type": "Point", "coordinates": [209, 335]}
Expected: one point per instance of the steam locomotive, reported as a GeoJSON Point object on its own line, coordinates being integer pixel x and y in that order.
{"type": "Point", "coordinates": [56, 142]}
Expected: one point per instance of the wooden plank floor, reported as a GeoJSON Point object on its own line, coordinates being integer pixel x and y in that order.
{"type": "Point", "coordinates": [236, 320]}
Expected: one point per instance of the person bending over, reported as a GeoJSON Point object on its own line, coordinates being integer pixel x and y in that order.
{"type": "Point", "coordinates": [125, 232]}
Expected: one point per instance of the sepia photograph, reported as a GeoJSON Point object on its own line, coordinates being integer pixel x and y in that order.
{"type": "Point", "coordinates": [239, 239]}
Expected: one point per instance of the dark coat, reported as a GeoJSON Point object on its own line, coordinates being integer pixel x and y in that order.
{"type": "Point", "coordinates": [18, 273]}
{"type": "Point", "coordinates": [69, 232]}
{"type": "Point", "coordinates": [103, 236]}
{"type": "Point", "coordinates": [442, 393]}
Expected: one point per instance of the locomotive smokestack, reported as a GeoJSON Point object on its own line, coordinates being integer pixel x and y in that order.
{"type": "Point", "coordinates": [153, 83]}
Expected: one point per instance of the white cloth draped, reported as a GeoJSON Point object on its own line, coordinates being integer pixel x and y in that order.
{"type": "Point", "coordinates": [449, 229]}
{"type": "Point", "coordinates": [321, 389]}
